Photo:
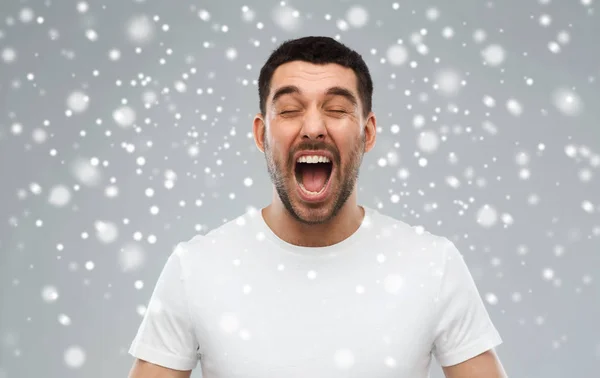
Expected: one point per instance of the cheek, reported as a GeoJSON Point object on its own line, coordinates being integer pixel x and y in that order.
{"type": "Point", "coordinates": [350, 152]}
{"type": "Point", "coordinates": [276, 133]}
{"type": "Point", "coordinates": [280, 144]}
{"type": "Point", "coordinates": [276, 156]}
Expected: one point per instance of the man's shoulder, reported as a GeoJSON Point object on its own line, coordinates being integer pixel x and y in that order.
{"type": "Point", "coordinates": [235, 229]}
{"type": "Point", "coordinates": [229, 231]}
{"type": "Point", "coordinates": [400, 229]}
{"type": "Point", "coordinates": [409, 238]}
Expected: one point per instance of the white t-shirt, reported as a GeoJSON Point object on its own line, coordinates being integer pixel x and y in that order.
{"type": "Point", "coordinates": [380, 304]}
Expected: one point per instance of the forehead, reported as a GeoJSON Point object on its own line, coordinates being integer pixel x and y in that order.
{"type": "Point", "coordinates": [313, 79]}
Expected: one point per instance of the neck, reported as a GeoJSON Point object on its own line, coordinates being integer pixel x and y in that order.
{"type": "Point", "coordinates": [287, 228]}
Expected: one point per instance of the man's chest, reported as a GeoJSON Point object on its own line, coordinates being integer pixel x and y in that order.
{"type": "Point", "coordinates": [318, 325]}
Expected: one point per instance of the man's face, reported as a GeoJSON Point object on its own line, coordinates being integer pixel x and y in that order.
{"type": "Point", "coordinates": [315, 108]}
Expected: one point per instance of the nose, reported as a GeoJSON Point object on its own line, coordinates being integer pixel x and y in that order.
{"type": "Point", "coordinates": [313, 126]}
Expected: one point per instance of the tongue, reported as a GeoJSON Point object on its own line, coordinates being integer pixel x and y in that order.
{"type": "Point", "coordinates": [314, 176]}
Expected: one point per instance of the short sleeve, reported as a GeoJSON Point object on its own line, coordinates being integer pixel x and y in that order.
{"type": "Point", "coordinates": [166, 335]}
{"type": "Point", "coordinates": [463, 327]}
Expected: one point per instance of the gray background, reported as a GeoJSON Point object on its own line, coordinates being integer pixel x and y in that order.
{"type": "Point", "coordinates": [81, 246]}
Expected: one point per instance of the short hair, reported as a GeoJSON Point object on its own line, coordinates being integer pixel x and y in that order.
{"type": "Point", "coordinates": [317, 50]}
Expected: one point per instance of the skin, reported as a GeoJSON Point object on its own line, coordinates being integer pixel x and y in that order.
{"type": "Point", "coordinates": [485, 365]}
{"type": "Point", "coordinates": [324, 121]}
{"type": "Point", "coordinates": [144, 369]}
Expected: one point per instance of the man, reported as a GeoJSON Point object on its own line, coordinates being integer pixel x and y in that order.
{"type": "Point", "coordinates": [315, 285]}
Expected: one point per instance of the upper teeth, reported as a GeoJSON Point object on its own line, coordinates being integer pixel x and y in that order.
{"type": "Point", "coordinates": [313, 159]}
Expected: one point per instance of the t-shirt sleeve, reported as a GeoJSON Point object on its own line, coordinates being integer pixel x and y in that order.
{"type": "Point", "coordinates": [166, 335]}
{"type": "Point", "coordinates": [463, 327]}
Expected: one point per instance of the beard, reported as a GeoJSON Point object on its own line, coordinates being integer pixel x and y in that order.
{"type": "Point", "coordinates": [282, 177]}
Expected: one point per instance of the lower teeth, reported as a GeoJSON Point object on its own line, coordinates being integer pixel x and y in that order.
{"type": "Point", "coordinates": [311, 192]}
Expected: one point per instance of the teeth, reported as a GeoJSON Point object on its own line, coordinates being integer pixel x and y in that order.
{"type": "Point", "coordinates": [311, 159]}
{"type": "Point", "coordinates": [311, 192]}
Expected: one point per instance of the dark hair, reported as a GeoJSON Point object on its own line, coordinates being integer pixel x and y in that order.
{"type": "Point", "coordinates": [316, 50]}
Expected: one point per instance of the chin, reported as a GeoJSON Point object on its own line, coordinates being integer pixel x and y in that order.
{"type": "Point", "coordinates": [313, 215]}
{"type": "Point", "coordinates": [313, 211]}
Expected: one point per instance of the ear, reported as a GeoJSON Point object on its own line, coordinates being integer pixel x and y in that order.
{"type": "Point", "coordinates": [370, 131]}
{"type": "Point", "coordinates": [259, 129]}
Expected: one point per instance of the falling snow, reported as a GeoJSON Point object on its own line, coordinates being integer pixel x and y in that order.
{"type": "Point", "coordinates": [448, 81]}
{"type": "Point", "coordinates": [344, 358]}
{"type": "Point", "coordinates": [397, 55]}
{"type": "Point", "coordinates": [126, 129]}
{"type": "Point", "coordinates": [74, 357]}
{"type": "Point", "coordinates": [494, 55]}
{"type": "Point", "coordinates": [357, 16]}
{"type": "Point", "coordinates": [140, 29]}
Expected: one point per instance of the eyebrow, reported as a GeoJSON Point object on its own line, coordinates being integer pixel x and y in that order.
{"type": "Point", "coordinates": [333, 91]}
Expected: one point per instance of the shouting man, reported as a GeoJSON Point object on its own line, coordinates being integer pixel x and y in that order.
{"type": "Point", "coordinates": [314, 284]}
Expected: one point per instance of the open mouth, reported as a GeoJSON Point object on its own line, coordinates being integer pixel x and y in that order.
{"type": "Point", "coordinates": [312, 175]}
